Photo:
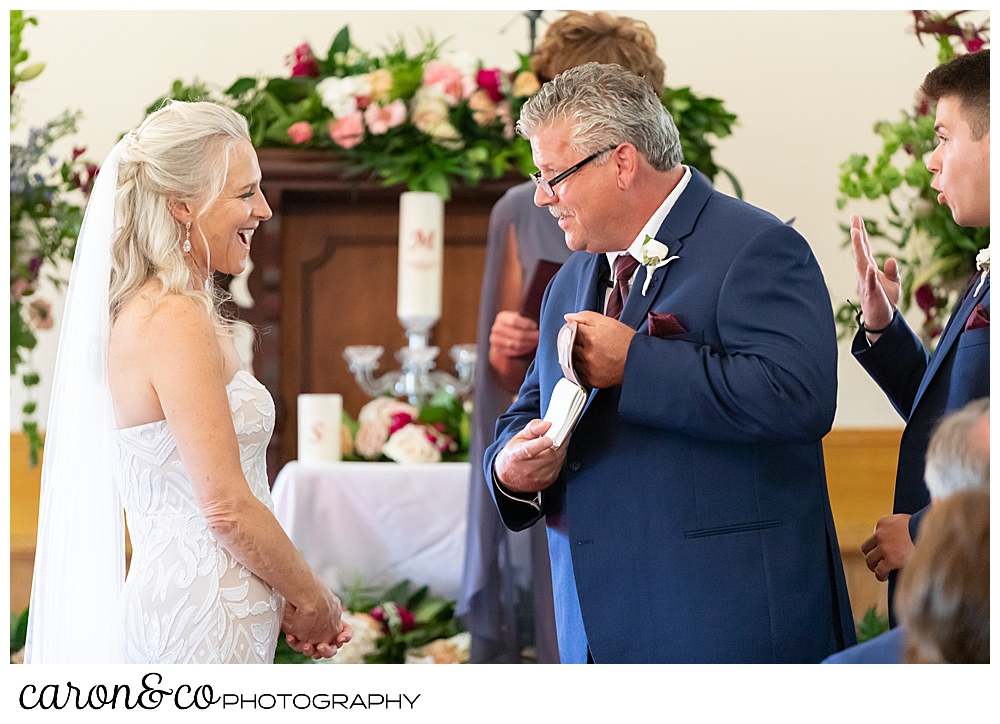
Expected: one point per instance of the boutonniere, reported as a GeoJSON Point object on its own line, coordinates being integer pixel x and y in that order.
{"type": "Point", "coordinates": [654, 255]}
{"type": "Point", "coordinates": [982, 264]}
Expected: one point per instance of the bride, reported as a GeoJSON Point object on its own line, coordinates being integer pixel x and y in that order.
{"type": "Point", "coordinates": [152, 412]}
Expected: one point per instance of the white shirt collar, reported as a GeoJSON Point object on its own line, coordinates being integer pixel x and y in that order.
{"type": "Point", "coordinates": [655, 221]}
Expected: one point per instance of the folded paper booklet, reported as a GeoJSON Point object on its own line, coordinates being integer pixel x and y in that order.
{"type": "Point", "coordinates": [568, 397]}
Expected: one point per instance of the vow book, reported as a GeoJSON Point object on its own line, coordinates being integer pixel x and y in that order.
{"type": "Point", "coordinates": [568, 396]}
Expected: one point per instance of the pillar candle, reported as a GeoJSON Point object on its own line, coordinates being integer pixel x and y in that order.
{"type": "Point", "coordinates": [320, 418]}
{"type": "Point", "coordinates": [421, 257]}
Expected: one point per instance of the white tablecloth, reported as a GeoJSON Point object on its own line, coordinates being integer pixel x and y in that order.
{"type": "Point", "coordinates": [382, 522]}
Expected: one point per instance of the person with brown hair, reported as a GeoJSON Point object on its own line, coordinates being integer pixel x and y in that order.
{"type": "Point", "coordinates": [521, 235]}
{"type": "Point", "coordinates": [943, 600]}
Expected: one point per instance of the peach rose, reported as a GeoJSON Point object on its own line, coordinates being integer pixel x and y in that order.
{"type": "Point", "coordinates": [429, 110]}
{"type": "Point", "coordinates": [447, 135]}
{"type": "Point", "coordinates": [40, 313]}
{"type": "Point", "coordinates": [348, 131]}
{"type": "Point", "coordinates": [525, 84]}
{"type": "Point", "coordinates": [372, 435]}
{"type": "Point", "coordinates": [381, 83]}
{"type": "Point", "coordinates": [300, 132]}
{"type": "Point", "coordinates": [484, 110]}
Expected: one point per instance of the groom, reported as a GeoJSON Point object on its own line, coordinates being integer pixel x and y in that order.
{"type": "Point", "coordinates": [687, 516]}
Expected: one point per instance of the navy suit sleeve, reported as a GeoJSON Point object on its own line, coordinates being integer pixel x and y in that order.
{"type": "Point", "coordinates": [515, 514]}
{"type": "Point", "coordinates": [897, 362]}
{"type": "Point", "coordinates": [914, 523]}
{"type": "Point", "coordinates": [774, 380]}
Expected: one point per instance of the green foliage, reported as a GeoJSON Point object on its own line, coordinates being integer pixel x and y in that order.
{"type": "Point", "coordinates": [871, 625]}
{"type": "Point", "coordinates": [696, 118]}
{"type": "Point", "coordinates": [433, 618]}
{"type": "Point", "coordinates": [45, 219]}
{"type": "Point", "coordinates": [933, 251]}
{"type": "Point", "coordinates": [406, 155]}
{"type": "Point", "coordinates": [18, 630]}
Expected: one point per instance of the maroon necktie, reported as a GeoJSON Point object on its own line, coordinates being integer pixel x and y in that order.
{"type": "Point", "coordinates": [625, 266]}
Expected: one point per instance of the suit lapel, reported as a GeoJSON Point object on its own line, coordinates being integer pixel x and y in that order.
{"type": "Point", "coordinates": [955, 327]}
{"type": "Point", "coordinates": [678, 224]}
{"type": "Point", "coordinates": [588, 293]}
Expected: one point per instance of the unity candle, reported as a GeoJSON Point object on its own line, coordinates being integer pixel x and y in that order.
{"type": "Point", "coordinates": [421, 257]}
{"type": "Point", "coordinates": [319, 421]}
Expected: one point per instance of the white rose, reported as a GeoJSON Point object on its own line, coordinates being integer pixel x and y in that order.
{"type": "Point", "coordinates": [367, 631]}
{"type": "Point", "coordinates": [339, 95]}
{"type": "Point", "coordinates": [463, 60]}
{"type": "Point", "coordinates": [447, 135]}
{"type": "Point", "coordinates": [409, 444]}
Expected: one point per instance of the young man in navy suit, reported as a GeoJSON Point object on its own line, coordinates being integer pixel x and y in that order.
{"type": "Point", "coordinates": [687, 515]}
{"type": "Point", "coordinates": [923, 388]}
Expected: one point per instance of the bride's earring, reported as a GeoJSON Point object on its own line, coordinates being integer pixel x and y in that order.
{"type": "Point", "coordinates": [186, 247]}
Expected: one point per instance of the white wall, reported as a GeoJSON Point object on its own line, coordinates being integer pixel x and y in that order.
{"type": "Point", "coordinates": [807, 87]}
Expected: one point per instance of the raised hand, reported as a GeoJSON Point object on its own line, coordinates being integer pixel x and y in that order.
{"type": "Point", "coordinates": [879, 289]}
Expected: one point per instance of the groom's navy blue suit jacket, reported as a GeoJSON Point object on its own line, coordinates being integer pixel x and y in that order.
{"type": "Point", "coordinates": [691, 520]}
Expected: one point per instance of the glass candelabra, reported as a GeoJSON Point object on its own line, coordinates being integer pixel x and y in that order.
{"type": "Point", "coordinates": [417, 380]}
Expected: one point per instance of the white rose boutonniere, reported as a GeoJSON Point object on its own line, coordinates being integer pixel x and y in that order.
{"type": "Point", "coordinates": [983, 264]}
{"type": "Point", "coordinates": [654, 255]}
{"type": "Point", "coordinates": [983, 259]}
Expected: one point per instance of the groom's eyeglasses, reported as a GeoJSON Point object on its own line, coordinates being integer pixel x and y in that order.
{"type": "Point", "coordinates": [546, 186]}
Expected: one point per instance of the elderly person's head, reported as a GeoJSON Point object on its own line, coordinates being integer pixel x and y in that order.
{"type": "Point", "coordinates": [600, 137]}
{"type": "Point", "coordinates": [578, 38]}
{"type": "Point", "coordinates": [943, 599]}
{"type": "Point", "coordinates": [958, 455]}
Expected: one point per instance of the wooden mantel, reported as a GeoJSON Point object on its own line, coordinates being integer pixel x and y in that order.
{"type": "Point", "coordinates": [324, 277]}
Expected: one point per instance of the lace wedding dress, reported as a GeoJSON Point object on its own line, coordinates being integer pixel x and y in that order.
{"type": "Point", "coordinates": [186, 598]}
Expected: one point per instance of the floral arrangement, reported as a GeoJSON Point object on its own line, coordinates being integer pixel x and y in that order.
{"type": "Point", "coordinates": [936, 256]}
{"type": "Point", "coordinates": [388, 429]}
{"type": "Point", "coordinates": [396, 626]}
{"type": "Point", "coordinates": [428, 120]}
{"type": "Point", "coordinates": [47, 198]}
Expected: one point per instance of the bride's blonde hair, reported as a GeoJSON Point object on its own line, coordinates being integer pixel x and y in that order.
{"type": "Point", "coordinates": [180, 153]}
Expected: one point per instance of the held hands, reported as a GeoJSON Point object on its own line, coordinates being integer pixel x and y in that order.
{"type": "Point", "coordinates": [879, 290]}
{"type": "Point", "coordinates": [513, 335]}
{"type": "Point", "coordinates": [889, 548]}
{"type": "Point", "coordinates": [600, 349]}
{"type": "Point", "coordinates": [528, 462]}
{"type": "Point", "coordinates": [316, 630]}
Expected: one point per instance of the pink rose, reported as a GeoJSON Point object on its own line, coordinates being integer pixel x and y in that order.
{"type": "Point", "coordinates": [447, 77]}
{"type": "Point", "coordinates": [489, 81]}
{"type": "Point", "coordinates": [372, 435]}
{"type": "Point", "coordinates": [20, 288]}
{"type": "Point", "coordinates": [399, 420]}
{"type": "Point", "coordinates": [348, 131]}
{"type": "Point", "coordinates": [300, 132]}
{"type": "Point", "coordinates": [379, 119]}
{"type": "Point", "coordinates": [973, 45]}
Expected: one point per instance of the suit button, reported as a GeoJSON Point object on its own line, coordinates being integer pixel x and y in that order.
{"type": "Point", "coordinates": [575, 465]}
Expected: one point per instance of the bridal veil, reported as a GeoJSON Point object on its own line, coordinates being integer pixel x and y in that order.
{"type": "Point", "coordinates": [80, 552]}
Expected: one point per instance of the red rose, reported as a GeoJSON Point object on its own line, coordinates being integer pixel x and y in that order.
{"type": "Point", "coordinates": [489, 81]}
{"type": "Point", "coordinates": [925, 298]}
{"type": "Point", "coordinates": [399, 421]}
{"type": "Point", "coordinates": [973, 45]}
{"type": "Point", "coordinates": [78, 151]}
{"type": "Point", "coordinates": [407, 619]}
{"type": "Point", "coordinates": [304, 62]}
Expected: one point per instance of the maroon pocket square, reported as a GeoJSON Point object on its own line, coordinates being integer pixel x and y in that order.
{"type": "Point", "coordinates": [664, 326]}
{"type": "Point", "coordinates": [978, 319]}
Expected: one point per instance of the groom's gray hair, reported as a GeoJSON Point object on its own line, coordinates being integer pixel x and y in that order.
{"type": "Point", "coordinates": [605, 105]}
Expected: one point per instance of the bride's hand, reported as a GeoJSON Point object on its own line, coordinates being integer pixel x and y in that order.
{"type": "Point", "coordinates": [316, 629]}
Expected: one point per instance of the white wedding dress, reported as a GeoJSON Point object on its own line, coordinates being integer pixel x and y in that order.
{"type": "Point", "coordinates": [186, 598]}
